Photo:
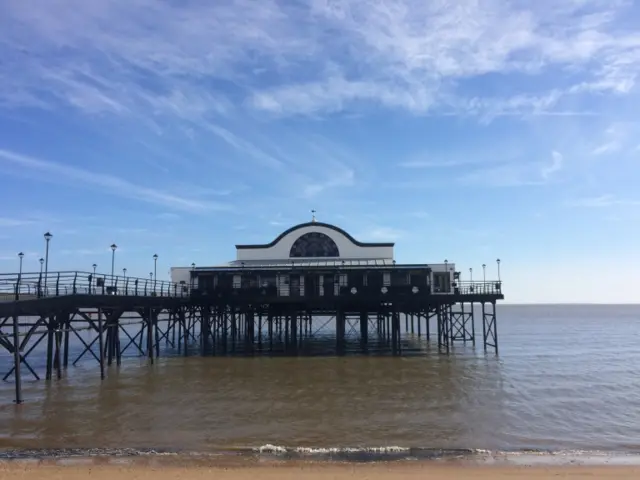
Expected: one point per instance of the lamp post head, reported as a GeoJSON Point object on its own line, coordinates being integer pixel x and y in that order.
{"type": "Point", "coordinates": [47, 236]}
{"type": "Point", "coordinates": [113, 247]}
{"type": "Point", "coordinates": [498, 261]}
{"type": "Point", "coordinates": [193, 265]}
{"type": "Point", "coordinates": [155, 256]}
{"type": "Point", "coordinates": [484, 265]}
{"type": "Point", "coordinates": [150, 274]}
{"type": "Point", "coordinates": [21, 255]}
{"type": "Point", "coordinates": [41, 261]}
{"type": "Point", "coordinates": [94, 265]}
{"type": "Point", "coordinates": [124, 270]}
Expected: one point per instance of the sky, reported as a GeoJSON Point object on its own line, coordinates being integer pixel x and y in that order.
{"type": "Point", "coordinates": [464, 130]}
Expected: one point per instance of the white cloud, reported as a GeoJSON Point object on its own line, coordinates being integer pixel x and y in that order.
{"type": "Point", "coordinates": [110, 184]}
{"type": "Point", "coordinates": [602, 201]}
{"type": "Point", "coordinates": [6, 222]}
{"type": "Point", "coordinates": [156, 58]}
{"type": "Point", "coordinates": [515, 173]}
{"type": "Point", "coordinates": [557, 161]}
{"type": "Point", "coordinates": [381, 234]}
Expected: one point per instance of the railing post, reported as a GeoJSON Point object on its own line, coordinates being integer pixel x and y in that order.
{"type": "Point", "coordinates": [75, 278]}
{"type": "Point", "coordinates": [136, 286]}
{"type": "Point", "coordinates": [145, 288]}
{"type": "Point", "coordinates": [18, 288]}
{"type": "Point", "coordinates": [115, 286]}
{"type": "Point", "coordinates": [58, 284]}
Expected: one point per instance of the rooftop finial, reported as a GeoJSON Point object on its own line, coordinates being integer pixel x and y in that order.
{"type": "Point", "coordinates": [313, 215]}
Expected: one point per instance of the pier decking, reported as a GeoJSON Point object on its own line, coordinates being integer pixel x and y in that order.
{"type": "Point", "coordinates": [79, 315]}
{"type": "Point", "coordinates": [313, 290]}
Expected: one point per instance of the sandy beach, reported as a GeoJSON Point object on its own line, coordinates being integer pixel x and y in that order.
{"type": "Point", "coordinates": [25, 471]}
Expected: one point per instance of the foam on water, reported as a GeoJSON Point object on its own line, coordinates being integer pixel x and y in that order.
{"type": "Point", "coordinates": [390, 453]}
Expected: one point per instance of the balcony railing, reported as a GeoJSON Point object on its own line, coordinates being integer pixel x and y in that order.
{"type": "Point", "coordinates": [14, 286]}
{"type": "Point", "coordinates": [491, 288]}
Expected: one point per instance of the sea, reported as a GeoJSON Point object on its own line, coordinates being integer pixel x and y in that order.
{"type": "Point", "coordinates": [566, 382]}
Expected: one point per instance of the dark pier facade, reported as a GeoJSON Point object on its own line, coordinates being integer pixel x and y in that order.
{"type": "Point", "coordinates": [304, 306]}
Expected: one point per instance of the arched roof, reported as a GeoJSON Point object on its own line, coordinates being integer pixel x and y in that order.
{"type": "Point", "coordinates": [315, 224]}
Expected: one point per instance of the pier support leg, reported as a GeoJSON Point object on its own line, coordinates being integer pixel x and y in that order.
{"type": "Point", "coordinates": [185, 331]}
{"type": "Point", "coordinates": [340, 331]}
{"type": "Point", "coordinates": [101, 343]}
{"type": "Point", "coordinates": [364, 331]}
{"type": "Point", "coordinates": [443, 327]}
{"type": "Point", "coordinates": [17, 360]}
{"type": "Point", "coordinates": [461, 323]}
{"type": "Point", "coordinates": [50, 340]}
{"type": "Point", "coordinates": [490, 326]}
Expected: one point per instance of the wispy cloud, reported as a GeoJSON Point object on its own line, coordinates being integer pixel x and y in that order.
{"type": "Point", "coordinates": [602, 201]}
{"type": "Point", "coordinates": [617, 138]}
{"type": "Point", "coordinates": [435, 163]}
{"type": "Point", "coordinates": [557, 161]}
{"type": "Point", "coordinates": [515, 173]}
{"type": "Point", "coordinates": [381, 234]}
{"type": "Point", "coordinates": [410, 54]}
{"type": "Point", "coordinates": [14, 222]}
{"type": "Point", "coordinates": [110, 184]}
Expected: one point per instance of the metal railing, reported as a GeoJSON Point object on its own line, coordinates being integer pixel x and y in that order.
{"type": "Point", "coordinates": [492, 288]}
{"type": "Point", "coordinates": [14, 286]}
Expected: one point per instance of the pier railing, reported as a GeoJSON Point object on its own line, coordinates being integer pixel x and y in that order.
{"type": "Point", "coordinates": [28, 285]}
{"type": "Point", "coordinates": [486, 288]}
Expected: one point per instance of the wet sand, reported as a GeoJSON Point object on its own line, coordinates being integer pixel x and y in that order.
{"type": "Point", "coordinates": [306, 471]}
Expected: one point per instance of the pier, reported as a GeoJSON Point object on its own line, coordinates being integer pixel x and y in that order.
{"type": "Point", "coordinates": [256, 305]}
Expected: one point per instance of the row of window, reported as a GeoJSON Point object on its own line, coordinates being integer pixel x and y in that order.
{"type": "Point", "coordinates": [357, 279]}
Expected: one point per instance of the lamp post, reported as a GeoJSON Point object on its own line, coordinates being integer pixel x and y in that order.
{"type": "Point", "coordinates": [471, 274]}
{"type": "Point", "coordinates": [47, 238]}
{"type": "Point", "coordinates": [193, 271]}
{"type": "Point", "coordinates": [95, 265]}
{"type": "Point", "coordinates": [41, 261]}
{"type": "Point", "coordinates": [20, 256]}
{"type": "Point", "coordinates": [498, 262]}
{"type": "Point", "coordinates": [124, 272]}
{"type": "Point", "coordinates": [113, 259]}
{"type": "Point", "coordinates": [155, 266]}
{"type": "Point", "coordinates": [41, 264]}
{"type": "Point", "coordinates": [448, 275]}
{"type": "Point", "coordinates": [484, 273]}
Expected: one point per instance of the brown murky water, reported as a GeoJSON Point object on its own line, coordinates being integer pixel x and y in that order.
{"type": "Point", "coordinates": [562, 382]}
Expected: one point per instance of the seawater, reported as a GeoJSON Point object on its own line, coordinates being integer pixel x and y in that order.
{"type": "Point", "coordinates": [566, 383]}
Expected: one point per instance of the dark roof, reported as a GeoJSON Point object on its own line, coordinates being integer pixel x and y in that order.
{"type": "Point", "coordinates": [315, 224]}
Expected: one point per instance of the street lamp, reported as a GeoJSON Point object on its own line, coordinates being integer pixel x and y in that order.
{"type": "Point", "coordinates": [124, 272]}
{"type": "Point", "coordinates": [40, 277]}
{"type": "Point", "coordinates": [155, 266]}
{"type": "Point", "coordinates": [41, 264]}
{"type": "Point", "coordinates": [150, 275]}
{"type": "Point", "coordinates": [20, 256]}
{"type": "Point", "coordinates": [498, 262]}
{"type": "Point", "coordinates": [95, 265]}
{"type": "Point", "coordinates": [448, 277]}
{"type": "Point", "coordinates": [484, 273]}
{"type": "Point", "coordinates": [47, 238]}
{"type": "Point", "coordinates": [193, 277]}
{"type": "Point", "coordinates": [113, 258]}
{"type": "Point", "coordinates": [471, 274]}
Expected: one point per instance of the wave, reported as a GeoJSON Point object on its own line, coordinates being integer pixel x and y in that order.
{"type": "Point", "coordinates": [343, 454]}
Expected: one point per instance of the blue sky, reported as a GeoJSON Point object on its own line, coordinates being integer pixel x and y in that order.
{"type": "Point", "coordinates": [466, 130]}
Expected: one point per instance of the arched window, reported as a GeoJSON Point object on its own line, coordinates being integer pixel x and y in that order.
{"type": "Point", "coordinates": [314, 244]}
